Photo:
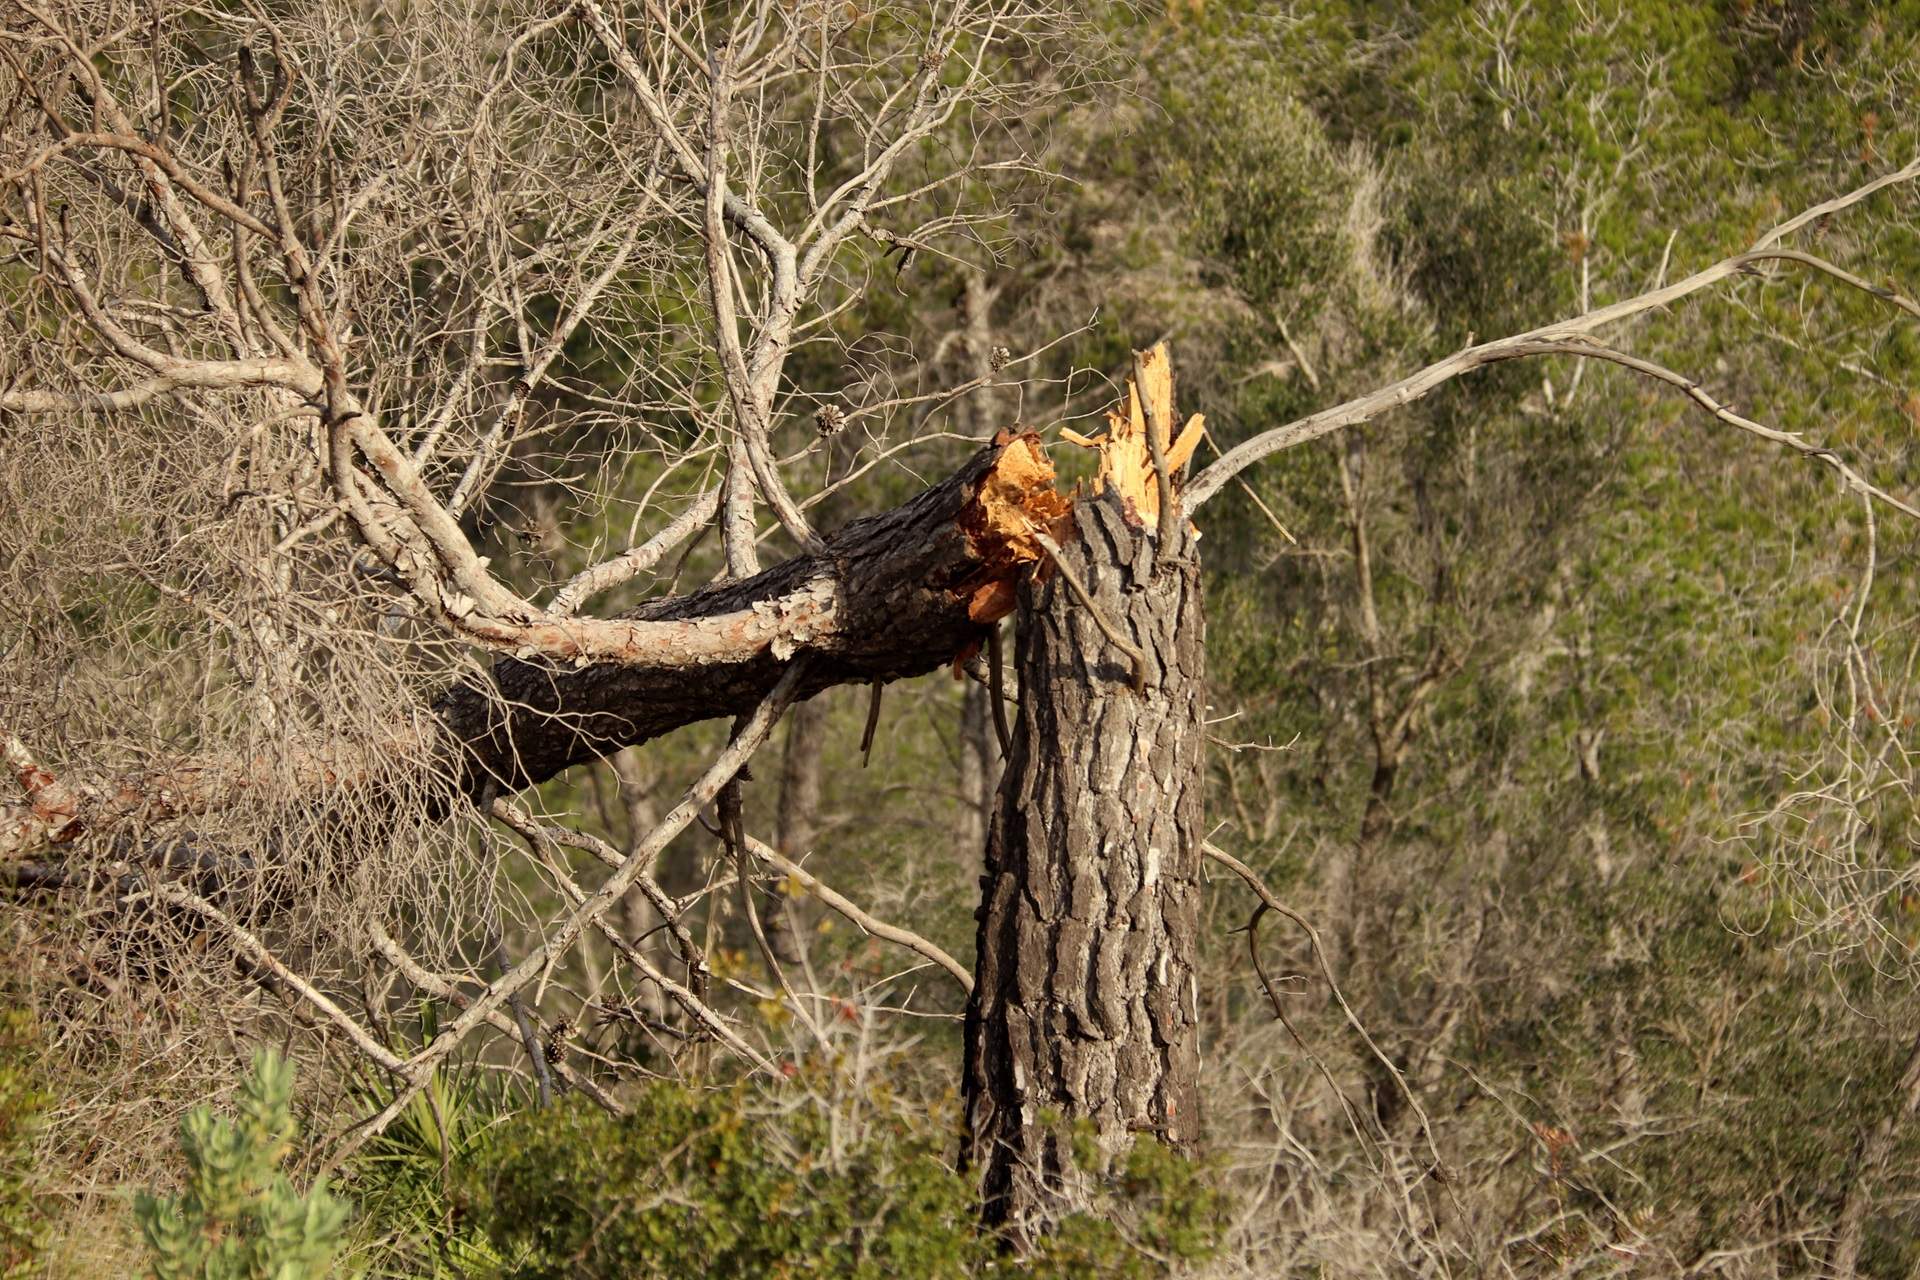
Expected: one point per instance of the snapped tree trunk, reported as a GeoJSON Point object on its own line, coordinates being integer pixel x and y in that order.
{"type": "Point", "coordinates": [1084, 1006]}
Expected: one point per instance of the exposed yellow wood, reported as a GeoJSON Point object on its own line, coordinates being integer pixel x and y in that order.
{"type": "Point", "coordinates": [1014, 505]}
{"type": "Point", "coordinates": [1126, 459]}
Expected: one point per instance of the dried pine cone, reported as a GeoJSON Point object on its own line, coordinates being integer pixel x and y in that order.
{"type": "Point", "coordinates": [998, 358]}
{"type": "Point", "coordinates": [829, 419]}
{"type": "Point", "coordinates": [557, 1040]}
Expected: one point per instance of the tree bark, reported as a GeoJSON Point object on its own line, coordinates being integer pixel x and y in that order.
{"type": "Point", "coordinates": [796, 821]}
{"type": "Point", "coordinates": [903, 587]}
{"type": "Point", "coordinates": [1084, 1006]}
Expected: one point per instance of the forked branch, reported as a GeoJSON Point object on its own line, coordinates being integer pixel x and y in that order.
{"type": "Point", "coordinates": [1567, 337]}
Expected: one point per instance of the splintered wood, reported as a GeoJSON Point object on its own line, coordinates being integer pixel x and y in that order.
{"type": "Point", "coordinates": [1126, 451]}
{"type": "Point", "coordinates": [1016, 507]}
{"type": "Point", "coordinates": [1015, 503]}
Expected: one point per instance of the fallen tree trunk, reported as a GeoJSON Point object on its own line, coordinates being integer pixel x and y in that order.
{"type": "Point", "coordinates": [899, 594]}
{"type": "Point", "coordinates": [889, 596]}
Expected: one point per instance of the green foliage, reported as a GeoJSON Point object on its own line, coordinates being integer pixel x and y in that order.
{"type": "Point", "coordinates": [1157, 1207]}
{"type": "Point", "coordinates": [691, 1183]}
{"type": "Point", "coordinates": [23, 1103]}
{"type": "Point", "coordinates": [239, 1218]}
{"type": "Point", "coordinates": [407, 1180]}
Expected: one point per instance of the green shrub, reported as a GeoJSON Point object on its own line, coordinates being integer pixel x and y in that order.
{"type": "Point", "coordinates": [1162, 1207]}
{"type": "Point", "coordinates": [692, 1183]}
{"type": "Point", "coordinates": [406, 1182]}
{"type": "Point", "coordinates": [689, 1184]}
{"type": "Point", "coordinates": [239, 1217]}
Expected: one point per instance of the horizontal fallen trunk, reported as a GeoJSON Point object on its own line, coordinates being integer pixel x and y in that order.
{"type": "Point", "coordinates": [890, 596]}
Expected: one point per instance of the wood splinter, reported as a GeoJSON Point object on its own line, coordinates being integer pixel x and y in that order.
{"type": "Point", "coordinates": [1138, 455]}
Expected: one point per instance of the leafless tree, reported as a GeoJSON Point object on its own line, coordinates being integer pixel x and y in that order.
{"type": "Point", "coordinates": [343, 293]}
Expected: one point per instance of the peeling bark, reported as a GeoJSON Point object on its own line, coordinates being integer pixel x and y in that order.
{"type": "Point", "coordinates": [1084, 998]}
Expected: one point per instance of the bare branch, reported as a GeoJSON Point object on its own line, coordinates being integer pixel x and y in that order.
{"type": "Point", "coordinates": [1415, 385]}
{"type": "Point", "coordinates": [863, 919]}
{"type": "Point", "coordinates": [588, 911]}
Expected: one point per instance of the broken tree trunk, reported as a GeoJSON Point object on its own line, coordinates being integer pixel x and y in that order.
{"type": "Point", "coordinates": [889, 596]}
{"type": "Point", "coordinates": [1084, 1003]}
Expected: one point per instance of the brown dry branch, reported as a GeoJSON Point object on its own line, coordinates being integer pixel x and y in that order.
{"type": "Point", "coordinates": [447, 987]}
{"type": "Point", "coordinates": [282, 364]}
{"type": "Point", "coordinates": [587, 912]}
{"type": "Point", "coordinates": [714, 1023]}
{"type": "Point", "coordinates": [1272, 902]}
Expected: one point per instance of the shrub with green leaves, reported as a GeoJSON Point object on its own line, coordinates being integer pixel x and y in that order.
{"type": "Point", "coordinates": [706, 1184]}
{"type": "Point", "coordinates": [239, 1217]}
{"type": "Point", "coordinates": [1154, 1208]}
{"type": "Point", "coordinates": [689, 1183]}
{"type": "Point", "coordinates": [407, 1182]}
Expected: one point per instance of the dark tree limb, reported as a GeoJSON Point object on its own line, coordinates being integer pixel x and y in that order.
{"type": "Point", "coordinates": [899, 590]}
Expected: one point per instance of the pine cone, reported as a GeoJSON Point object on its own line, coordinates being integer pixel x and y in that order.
{"type": "Point", "coordinates": [557, 1041]}
{"type": "Point", "coordinates": [829, 419]}
{"type": "Point", "coordinates": [999, 358]}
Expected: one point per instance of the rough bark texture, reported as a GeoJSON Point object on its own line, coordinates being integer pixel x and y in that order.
{"type": "Point", "coordinates": [1084, 1003]}
{"type": "Point", "coordinates": [903, 584]}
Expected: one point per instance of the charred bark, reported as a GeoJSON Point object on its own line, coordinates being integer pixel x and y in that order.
{"type": "Point", "coordinates": [1084, 1000]}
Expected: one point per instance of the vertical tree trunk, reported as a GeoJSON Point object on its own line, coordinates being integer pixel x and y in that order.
{"type": "Point", "coordinates": [796, 822]}
{"type": "Point", "coordinates": [979, 414]}
{"type": "Point", "coordinates": [1084, 1004]}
